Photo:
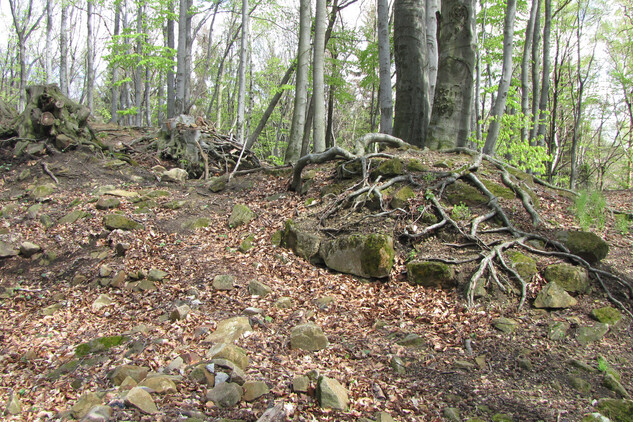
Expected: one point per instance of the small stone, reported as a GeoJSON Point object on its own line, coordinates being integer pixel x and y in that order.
{"type": "Point", "coordinates": [331, 394]}
{"type": "Point", "coordinates": [230, 353]}
{"type": "Point", "coordinates": [411, 340]}
{"type": "Point", "coordinates": [7, 250]}
{"type": "Point", "coordinates": [141, 399]}
{"type": "Point", "coordinates": [179, 313]}
{"type": "Point", "coordinates": [606, 315]}
{"type": "Point", "coordinates": [451, 414]}
{"type": "Point", "coordinates": [28, 249]}
{"type": "Point", "coordinates": [221, 377]}
{"type": "Point", "coordinates": [590, 334]}
{"type": "Point", "coordinates": [100, 413]}
{"type": "Point", "coordinates": [384, 417]}
{"type": "Point", "coordinates": [101, 302]}
{"type": "Point", "coordinates": [506, 325]}
{"type": "Point", "coordinates": [256, 288]}
{"type": "Point", "coordinates": [175, 175]}
{"type": "Point", "coordinates": [462, 364]}
{"type": "Point", "coordinates": [525, 363]}
{"type": "Point", "coordinates": [107, 203]}
{"type": "Point", "coordinates": [160, 384]}
{"type": "Point", "coordinates": [13, 407]}
{"type": "Point", "coordinates": [240, 215]}
{"type": "Point", "coordinates": [558, 330]}
{"type": "Point", "coordinates": [283, 302]}
{"type": "Point", "coordinates": [614, 385]}
{"type": "Point", "coordinates": [300, 384]}
{"type": "Point", "coordinates": [254, 390]}
{"type": "Point", "coordinates": [156, 275]}
{"type": "Point", "coordinates": [117, 221]}
{"type": "Point", "coordinates": [253, 311]}
{"type": "Point", "coordinates": [72, 217]}
{"type": "Point", "coordinates": [226, 394]}
{"type": "Point", "coordinates": [308, 337]}
{"type": "Point", "coordinates": [145, 286]}
{"type": "Point", "coordinates": [121, 248]}
{"type": "Point", "coordinates": [554, 296]}
{"type": "Point", "coordinates": [324, 302]}
{"type": "Point", "coordinates": [83, 405]}
{"type": "Point", "coordinates": [51, 309]}
{"type": "Point", "coordinates": [137, 373]}
{"type": "Point", "coordinates": [127, 384]}
{"type": "Point", "coordinates": [229, 330]}
{"type": "Point", "coordinates": [223, 282]}
{"type": "Point", "coordinates": [176, 364]}
{"type": "Point", "coordinates": [580, 384]}
{"type": "Point", "coordinates": [105, 271]}
{"type": "Point", "coordinates": [397, 364]}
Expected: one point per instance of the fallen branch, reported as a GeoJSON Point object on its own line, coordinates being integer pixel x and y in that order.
{"type": "Point", "coordinates": [50, 173]}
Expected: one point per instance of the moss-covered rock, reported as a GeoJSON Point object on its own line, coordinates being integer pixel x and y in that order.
{"type": "Point", "coordinates": [42, 191]}
{"type": "Point", "coordinates": [498, 190]}
{"type": "Point", "coordinates": [246, 244]}
{"type": "Point", "coordinates": [303, 242]}
{"type": "Point", "coordinates": [388, 168]}
{"type": "Point", "coordinates": [277, 238]}
{"type": "Point", "coordinates": [431, 274]}
{"type": "Point", "coordinates": [460, 191]}
{"type": "Point", "coordinates": [606, 315]}
{"type": "Point", "coordinates": [73, 216]}
{"type": "Point", "coordinates": [198, 223]}
{"type": "Point", "coordinates": [616, 410]}
{"type": "Point", "coordinates": [416, 165]}
{"type": "Point", "coordinates": [117, 221]}
{"type": "Point", "coordinates": [365, 256]}
{"type": "Point", "coordinates": [554, 296]}
{"type": "Point", "coordinates": [571, 278]}
{"type": "Point", "coordinates": [401, 197]}
{"type": "Point", "coordinates": [240, 215]}
{"type": "Point", "coordinates": [523, 264]}
{"type": "Point", "coordinates": [586, 245]}
{"type": "Point", "coordinates": [99, 345]}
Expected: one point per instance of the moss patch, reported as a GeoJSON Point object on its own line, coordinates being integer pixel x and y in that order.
{"type": "Point", "coordinates": [401, 197]}
{"type": "Point", "coordinates": [498, 189]}
{"type": "Point", "coordinates": [416, 165]}
{"type": "Point", "coordinates": [523, 264]}
{"type": "Point", "coordinates": [616, 410]}
{"type": "Point", "coordinates": [606, 315]}
{"type": "Point", "coordinates": [389, 168]}
{"type": "Point", "coordinates": [431, 274]}
{"type": "Point", "coordinates": [377, 257]}
{"type": "Point", "coordinates": [99, 345]}
{"type": "Point", "coordinates": [463, 192]}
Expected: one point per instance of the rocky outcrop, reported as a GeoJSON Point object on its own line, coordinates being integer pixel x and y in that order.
{"type": "Point", "coordinates": [586, 245]}
{"type": "Point", "coordinates": [572, 279]}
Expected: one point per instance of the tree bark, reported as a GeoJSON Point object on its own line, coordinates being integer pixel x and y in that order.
{"type": "Point", "coordinates": [432, 12]}
{"type": "Point", "coordinates": [293, 150]}
{"type": "Point", "coordinates": [171, 43]}
{"type": "Point", "coordinates": [114, 103]}
{"type": "Point", "coordinates": [506, 76]}
{"type": "Point", "coordinates": [241, 96]}
{"type": "Point", "coordinates": [48, 62]}
{"type": "Point", "coordinates": [90, 73]}
{"type": "Point", "coordinates": [183, 56]}
{"type": "Point", "coordinates": [450, 124]}
{"type": "Point", "coordinates": [536, 64]}
{"type": "Point", "coordinates": [318, 65]}
{"type": "Point", "coordinates": [544, 98]}
{"type": "Point", "coordinates": [63, 51]}
{"type": "Point", "coordinates": [384, 59]}
{"type": "Point", "coordinates": [412, 107]}
{"type": "Point", "coordinates": [525, 70]}
{"type": "Point", "coordinates": [138, 71]}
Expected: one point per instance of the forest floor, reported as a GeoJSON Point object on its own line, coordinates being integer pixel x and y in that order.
{"type": "Point", "coordinates": [524, 375]}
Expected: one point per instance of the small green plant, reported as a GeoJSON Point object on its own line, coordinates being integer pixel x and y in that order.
{"type": "Point", "coordinates": [603, 365]}
{"type": "Point", "coordinates": [461, 212]}
{"type": "Point", "coordinates": [622, 223]}
{"type": "Point", "coordinates": [589, 209]}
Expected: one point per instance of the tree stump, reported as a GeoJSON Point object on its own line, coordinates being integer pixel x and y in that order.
{"type": "Point", "coordinates": [7, 119]}
{"type": "Point", "coordinates": [50, 115]}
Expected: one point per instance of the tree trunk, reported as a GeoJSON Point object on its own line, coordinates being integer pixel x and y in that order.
{"type": "Point", "coordinates": [114, 103]}
{"type": "Point", "coordinates": [182, 56]}
{"type": "Point", "coordinates": [63, 50]}
{"type": "Point", "coordinates": [271, 107]}
{"type": "Point", "coordinates": [536, 64]}
{"type": "Point", "coordinates": [90, 76]}
{"type": "Point", "coordinates": [384, 59]}
{"type": "Point", "coordinates": [412, 108]}
{"type": "Point", "coordinates": [241, 96]}
{"type": "Point", "coordinates": [506, 76]}
{"type": "Point", "coordinates": [451, 117]}
{"type": "Point", "coordinates": [170, 39]}
{"type": "Point", "coordinates": [318, 65]}
{"type": "Point", "coordinates": [432, 11]}
{"type": "Point", "coordinates": [293, 150]}
{"type": "Point", "coordinates": [138, 71]}
{"type": "Point", "coordinates": [525, 68]}
{"type": "Point", "coordinates": [148, 109]}
{"type": "Point", "coordinates": [48, 62]}
{"type": "Point", "coordinates": [544, 98]}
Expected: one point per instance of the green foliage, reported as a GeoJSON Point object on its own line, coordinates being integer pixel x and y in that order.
{"type": "Point", "coordinates": [461, 212]}
{"type": "Point", "coordinates": [589, 209]}
{"type": "Point", "coordinates": [622, 223]}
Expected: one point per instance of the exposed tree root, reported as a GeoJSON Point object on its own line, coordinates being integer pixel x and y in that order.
{"type": "Point", "coordinates": [492, 264]}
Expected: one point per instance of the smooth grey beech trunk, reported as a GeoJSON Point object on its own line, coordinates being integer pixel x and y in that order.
{"type": "Point", "coordinates": [241, 94]}
{"type": "Point", "coordinates": [525, 68]}
{"type": "Point", "coordinates": [300, 105]}
{"type": "Point", "coordinates": [384, 59]}
{"type": "Point", "coordinates": [114, 93]}
{"type": "Point", "coordinates": [90, 72]}
{"type": "Point", "coordinates": [450, 124]}
{"type": "Point", "coordinates": [63, 51]}
{"type": "Point", "coordinates": [432, 10]}
{"type": "Point", "coordinates": [506, 76]}
{"type": "Point", "coordinates": [318, 87]}
{"type": "Point", "coordinates": [412, 106]}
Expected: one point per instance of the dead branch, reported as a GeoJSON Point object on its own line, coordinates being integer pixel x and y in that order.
{"type": "Point", "coordinates": [50, 173]}
{"type": "Point", "coordinates": [317, 158]}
